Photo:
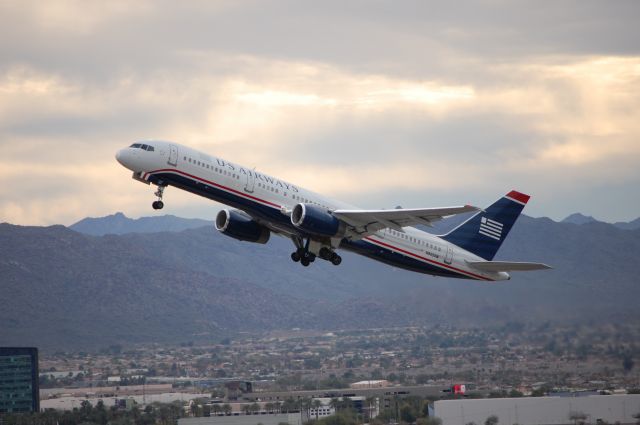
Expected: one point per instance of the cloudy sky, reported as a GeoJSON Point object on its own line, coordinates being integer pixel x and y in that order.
{"type": "Point", "coordinates": [378, 103]}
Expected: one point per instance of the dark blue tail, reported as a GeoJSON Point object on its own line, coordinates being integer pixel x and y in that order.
{"type": "Point", "coordinates": [483, 233]}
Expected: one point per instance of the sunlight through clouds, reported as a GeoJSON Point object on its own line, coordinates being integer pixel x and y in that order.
{"type": "Point", "coordinates": [404, 106]}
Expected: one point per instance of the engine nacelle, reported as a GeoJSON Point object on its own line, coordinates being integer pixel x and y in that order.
{"type": "Point", "coordinates": [316, 220]}
{"type": "Point", "coordinates": [240, 226]}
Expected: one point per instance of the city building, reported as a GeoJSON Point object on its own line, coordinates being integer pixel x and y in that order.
{"type": "Point", "coordinates": [19, 380]}
{"type": "Point", "coordinates": [596, 409]}
{"type": "Point", "coordinates": [380, 383]}
{"type": "Point", "coordinates": [266, 419]}
{"type": "Point", "coordinates": [322, 410]}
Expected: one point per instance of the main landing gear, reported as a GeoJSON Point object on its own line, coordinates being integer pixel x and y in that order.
{"type": "Point", "coordinates": [305, 257]}
{"type": "Point", "coordinates": [158, 205]}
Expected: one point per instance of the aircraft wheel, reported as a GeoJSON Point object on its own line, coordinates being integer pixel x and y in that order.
{"type": "Point", "coordinates": [157, 205]}
{"type": "Point", "coordinates": [304, 261]}
{"type": "Point", "coordinates": [336, 259]}
{"type": "Point", "coordinates": [295, 257]}
{"type": "Point", "coordinates": [325, 253]}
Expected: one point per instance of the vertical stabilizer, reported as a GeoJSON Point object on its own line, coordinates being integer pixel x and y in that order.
{"type": "Point", "coordinates": [483, 233]}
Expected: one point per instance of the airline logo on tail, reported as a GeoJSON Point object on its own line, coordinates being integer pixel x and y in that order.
{"type": "Point", "coordinates": [490, 228]}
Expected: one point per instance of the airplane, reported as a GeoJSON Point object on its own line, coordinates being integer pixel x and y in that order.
{"type": "Point", "coordinates": [319, 226]}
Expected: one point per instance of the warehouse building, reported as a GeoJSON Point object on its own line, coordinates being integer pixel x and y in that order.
{"type": "Point", "coordinates": [596, 409]}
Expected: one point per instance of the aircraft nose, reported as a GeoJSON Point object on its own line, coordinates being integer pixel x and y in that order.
{"type": "Point", "coordinates": [127, 158]}
{"type": "Point", "coordinates": [120, 156]}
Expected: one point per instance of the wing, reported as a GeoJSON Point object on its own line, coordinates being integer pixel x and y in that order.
{"type": "Point", "coordinates": [506, 266]}
{"type": "Point", "coordinates": [366, 222]}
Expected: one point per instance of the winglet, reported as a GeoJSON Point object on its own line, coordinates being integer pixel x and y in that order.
{"type": "Point", "coordinates": [521, 198]}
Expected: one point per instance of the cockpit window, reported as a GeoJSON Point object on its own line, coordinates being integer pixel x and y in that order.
{"type": "Point", "coordinates": [143, 147]}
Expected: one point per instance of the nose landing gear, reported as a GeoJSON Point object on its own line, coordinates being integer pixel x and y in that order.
{"type": "Point", "coordinates": [158, 205]}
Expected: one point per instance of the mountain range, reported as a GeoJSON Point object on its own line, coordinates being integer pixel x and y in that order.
{"type": "Point", "coordinates": [579, 219]}
{"type": "Point", "coordinates": [168, 279]}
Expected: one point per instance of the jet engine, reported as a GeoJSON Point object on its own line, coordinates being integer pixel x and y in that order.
{"type": "Point", "coordinates": [240, 226]}
{"type": "Point", "coordinates": [316, 220]}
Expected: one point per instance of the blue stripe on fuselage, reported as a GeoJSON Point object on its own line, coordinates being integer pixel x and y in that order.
{"type": "Point", "coordinates": [396, 259]}
{"type": "Point", "coordinates": [272, 214]}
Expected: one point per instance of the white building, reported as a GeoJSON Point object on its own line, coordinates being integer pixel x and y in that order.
{"type": "Point", "coordinates": [323, 411]}
{"type": "Point", "coordinates": [540, 410]}
{"type": "Point", "coordinates": [379, 383]}
{"type": "Point", "coordinates": [267, 419]}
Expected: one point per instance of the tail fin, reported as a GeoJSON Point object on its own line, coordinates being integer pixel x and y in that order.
{"type": "Point", "coordinates": [483, 233]}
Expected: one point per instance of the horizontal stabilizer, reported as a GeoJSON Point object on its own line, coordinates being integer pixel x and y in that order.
{"type": "Point", "coordinates": [506, 266]}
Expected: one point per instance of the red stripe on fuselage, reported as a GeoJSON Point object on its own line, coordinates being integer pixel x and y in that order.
{"type": "Point", "coordinates": [228, 189]}
{"type": "Point", "coordinates": [278, 206]}
{"type": "Point", "coordinates": [466, 273]}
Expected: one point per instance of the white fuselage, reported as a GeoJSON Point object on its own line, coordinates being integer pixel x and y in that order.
{"type": "Point", "coordinates": [270, 200]}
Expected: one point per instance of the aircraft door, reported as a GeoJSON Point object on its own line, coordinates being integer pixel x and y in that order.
{"type": "Point", "coordinates": [448, 258]}
{"type": "Point", "coordinates": [173, 155]}
{"type": "Point", "coordinates": [250, 183]}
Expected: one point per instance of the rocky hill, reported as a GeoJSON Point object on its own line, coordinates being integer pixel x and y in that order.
{"type": "Point", "coordinates": [62, 288]}
{"type": "Point", "coordinates": [118, 224]}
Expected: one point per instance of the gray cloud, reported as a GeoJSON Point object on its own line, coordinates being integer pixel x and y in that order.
{"type": "Point", "coordinates": [78, 80]}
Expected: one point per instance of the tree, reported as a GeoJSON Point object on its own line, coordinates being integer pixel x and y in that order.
{"type": "Point", "coordinates": [541, 391]}
{"type": "Point", "coordinates": [577, 417]}
{"type": "Point", "coordinates": [346, 403]}
{"type": "Point", "coordinates": [316, 404]}
{"type": "Point", "coordinates": [226, 408]}
{"type": "Point", "coordinates": [370, 402]}
{"type": "Point", "coordinates": [216, 409]}
{"type": "Point", "coordinates": [627, 363]}
{"type": "Point", "coordinates": [289, 405]}
{"type": "Point", "coordinates": [408, 415]}
{"type": "Point", "coordinates": [254, 408]}
{"type": "Point", "coordinates": [195, 409]}
{"type": "Point", "coordinates": [305, 404]}
{"type": "Point", "coordinates": [491, 420]}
